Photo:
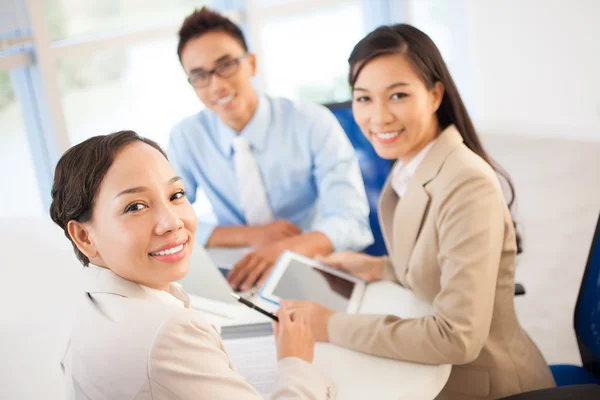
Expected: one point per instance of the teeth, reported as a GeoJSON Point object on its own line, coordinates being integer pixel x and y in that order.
{"type": "Point", "coordinates": [224, 100]}
{"type": "Point", "coordinates": [388, 135]}
{"type": "Point", "coordinates": [168, 251]}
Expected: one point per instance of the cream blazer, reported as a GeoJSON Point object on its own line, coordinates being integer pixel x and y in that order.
{"type": "Point", "coordinates": [451, 241]}
{"type": "Point", "coordinates": [128, 344]}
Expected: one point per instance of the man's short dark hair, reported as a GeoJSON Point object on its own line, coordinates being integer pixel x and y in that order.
{"type": "Point", "coordinates": [204, 21]}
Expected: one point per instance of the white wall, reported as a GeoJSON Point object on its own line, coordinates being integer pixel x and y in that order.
{"type": "Point", "coordinates": [537, 66]}
{"type": "Point", "coordinates": [40, 280]}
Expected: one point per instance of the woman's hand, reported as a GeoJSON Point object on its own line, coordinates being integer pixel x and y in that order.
{"type": "Point", "coordinates": [293, 336]}
{"type": "Point", "coordinates": [368, 268]}
{"type": "Point", "coordinates": [317, 316]}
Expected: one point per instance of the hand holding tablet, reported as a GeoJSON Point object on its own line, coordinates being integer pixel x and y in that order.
{"type": "Point", "coordinates": [366, 267]}
{"type": "Point", "coordinates": [296, 277]}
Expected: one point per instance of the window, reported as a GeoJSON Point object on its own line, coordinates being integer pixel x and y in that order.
{"type": "Point", "coordinates": [270, 3]}
{"type": "Point", "coordinates": [432, 17]}
{"type": "Point", "coordinates": [20, 193]}
{"type": "Point", "coordinates": [70, 69]}
{"type": "Point", "coordinates": [445, 23]}
{"type": "Point", "coordinates": [140, 87]}
{"type": "Point", "coordinates": [71, 18]}
{"type": "Point", "coordinates": [294, 67]}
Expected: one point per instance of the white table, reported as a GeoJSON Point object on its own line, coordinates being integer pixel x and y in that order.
{"type": "Point", "coordinates": [361, 376]}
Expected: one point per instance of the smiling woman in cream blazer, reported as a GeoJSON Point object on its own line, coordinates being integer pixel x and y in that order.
{"type": "Point", "coordinates": [134, 335]}
{"type": "Point", "coordinates": [447, 227]}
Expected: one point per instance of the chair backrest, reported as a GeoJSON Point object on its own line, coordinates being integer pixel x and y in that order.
{"type": "Point", "coordinates": [587, 310]}
{"type": "Point", "coordinates": [374, 169]}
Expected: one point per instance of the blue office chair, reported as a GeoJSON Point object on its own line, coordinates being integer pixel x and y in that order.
{"type": "Point", "coordinates": [574, 382]}
{"type": "Point", "coordinates": [374, 170]}
{"type": "Point", "coordinates": [586, 323]}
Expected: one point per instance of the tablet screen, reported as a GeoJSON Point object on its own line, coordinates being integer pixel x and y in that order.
{"type": "Point", "coordinates": [304, 282]}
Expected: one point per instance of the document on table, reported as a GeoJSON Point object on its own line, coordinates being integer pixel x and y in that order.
{"type": "Point", "coordinates": [254, 357]}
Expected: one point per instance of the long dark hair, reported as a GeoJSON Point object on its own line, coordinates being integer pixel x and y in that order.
{"type": "Point", "coordinates": [427, 61]}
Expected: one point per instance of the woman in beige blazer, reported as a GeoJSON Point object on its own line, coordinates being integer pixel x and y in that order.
{"type": "Point", "coordinates": [134, 336]}
{"type": "Point", "coordinates": [447, 227]}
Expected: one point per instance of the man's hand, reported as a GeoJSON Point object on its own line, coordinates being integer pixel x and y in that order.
{"type": "Point", "coordinates": [254, 235]}
{"type": "Point", "coordinates": [255, 266]}
{"type": "Point", "coordinates": [262, 235]}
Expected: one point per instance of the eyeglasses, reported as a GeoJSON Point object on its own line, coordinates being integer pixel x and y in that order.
{"type": "Point", "coordinates": [226, 69]}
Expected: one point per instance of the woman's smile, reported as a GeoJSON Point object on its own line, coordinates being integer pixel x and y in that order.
{"type": "Point", "coordinates": [387, 137]}
{"type": "Point", "coordinates": [171, 253]}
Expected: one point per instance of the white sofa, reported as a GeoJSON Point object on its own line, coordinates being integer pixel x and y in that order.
{"type": "Point", "coordinates": [40, 278]}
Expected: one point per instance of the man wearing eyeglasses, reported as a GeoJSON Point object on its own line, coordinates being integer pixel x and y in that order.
{"type": "Point", "coordinates": [279, 174]}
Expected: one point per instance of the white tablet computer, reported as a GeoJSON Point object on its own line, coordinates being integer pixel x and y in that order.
{"type": "Point", "coordinates": [295, 277]}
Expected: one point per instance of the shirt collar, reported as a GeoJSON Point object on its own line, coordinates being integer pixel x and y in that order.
{"type": "Point", "coordinates": [449, 140]}
{"type": "Point", "coordinates": [255, 131]}
{"type": "Point", "coordinates": [103, 280]}
{"type": "Point", "coordinates": [402, 174]}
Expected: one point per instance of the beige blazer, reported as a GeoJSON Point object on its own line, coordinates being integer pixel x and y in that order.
{"type": "Point", "coordinates": [128, 344]}
{"type": "Point", "coordinates": [451, 241]}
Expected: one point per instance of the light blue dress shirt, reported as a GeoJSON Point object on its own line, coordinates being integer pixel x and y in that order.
{"type": "Point", "coordinates": [308, 166]}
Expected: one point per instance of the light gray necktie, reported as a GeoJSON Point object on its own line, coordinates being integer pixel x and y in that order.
{"type": "Point", "coordinates": [252, 190]}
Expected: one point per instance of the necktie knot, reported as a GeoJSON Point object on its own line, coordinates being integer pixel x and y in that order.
{"type": "Point", "coordinates": [240, 143]}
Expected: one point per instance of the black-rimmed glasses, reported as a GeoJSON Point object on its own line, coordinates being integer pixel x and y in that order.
{"type": "Point", "coordinates": [226, 69]}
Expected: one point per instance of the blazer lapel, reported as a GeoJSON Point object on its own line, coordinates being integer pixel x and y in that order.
{"type": "Point", "coordinates": [387, 206]}
{"type": "Point", "coordinates": [401, 227]}
{"type": "Point", "coordinates": [408, 218]}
